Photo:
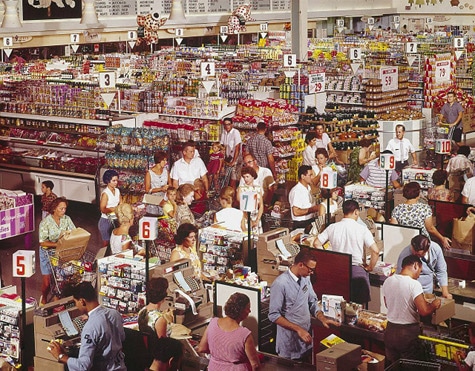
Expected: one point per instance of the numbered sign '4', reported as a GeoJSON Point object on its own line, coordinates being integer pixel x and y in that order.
{"type": "Point", "coordinates": [208, 69]}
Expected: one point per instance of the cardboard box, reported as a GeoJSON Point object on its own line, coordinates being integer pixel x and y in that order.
{"type": "Point", "coordinates": [446, 310]}
{"type": "Point", "coordinates": [340, 357]}
{"type": "Point", "coordinates": [72, 244]}
{"type": "Point", "coordinates": [46, 364]}
{"type": "Point", "coordinates": [372, 361]}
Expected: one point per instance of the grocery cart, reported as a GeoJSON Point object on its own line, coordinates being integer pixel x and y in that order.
{"type": "Point", "coordinates": [413, 365]}
{"type": "Point", "coordinates": [442, 349]}
{"type": "Point", "coordinates": [71, 266]}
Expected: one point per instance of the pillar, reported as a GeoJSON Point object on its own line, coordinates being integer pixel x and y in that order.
{"type": "Point", "coordinates": [299, 28]}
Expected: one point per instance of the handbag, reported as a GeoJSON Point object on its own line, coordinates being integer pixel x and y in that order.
{"type": "Point", "coordinates": [463, 233]}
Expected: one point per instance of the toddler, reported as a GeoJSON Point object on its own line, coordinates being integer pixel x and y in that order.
{"type": "Point", "coordinates": [47, 197]}
{"type": "Point", "coordinates": [169, 207]}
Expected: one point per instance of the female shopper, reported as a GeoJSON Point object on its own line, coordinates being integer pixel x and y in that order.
{"type": "Point", "coordinates": [439, 192]}
{"type": "Point", "coordinates": [184, 198]}
{"type": "Point", "coordinates": [120, 239]}
{"type": "Point", "coordinates": [415, 214]}
{"type": "Point", "coordinates": [157, 177]}
{"type": "Point", "coordinates": [359, 157]}
{"type": "Point", "coordinates": [309, 151]}
{"type": "Point", "coordinates": [229, 217]}
{"type": "Point", "coordinates": [231, 346]}
{"type": "Point", "coordinates": [50, 230]}
{"type": "Point", "coordinates": [185, 239]}
{"type": "Point", "coordinates": [110, 198]}
{"type": "Point", "coordinates": [333, 195]}
{"type": "Point", "coordinates": [249, 176]}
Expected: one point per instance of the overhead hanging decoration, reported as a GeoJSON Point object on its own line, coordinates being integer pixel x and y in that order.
{"type": "Point", "coordinates": [237, 21]}
{"type": "Point", "coordinates": [148, 28]}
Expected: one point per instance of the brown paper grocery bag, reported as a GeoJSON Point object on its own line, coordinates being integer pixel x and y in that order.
{"type": "Point", "coordinates": [72, 244]}
{"type": "Point", "coordinates": [463, 233]}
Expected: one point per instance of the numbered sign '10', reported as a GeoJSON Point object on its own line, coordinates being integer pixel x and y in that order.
{"type": "Point", "coordinates": [23, 263]}
{"type": "Point", "coordinates": [442, 146]}
{"type": "Point", "coordinates": [387, 161]}
{"type": "Point", "coordinates": [148, 228]}
{"type": "Point", "coordinates": [328, 179]}
{"type": "Point", "coordinates": [248, 201]}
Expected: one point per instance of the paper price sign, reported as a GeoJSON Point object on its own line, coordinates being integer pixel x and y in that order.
{"type": "Point", "coordinates": [316, 83]}
{"type": "Point", "coordinates": [387, 161]}
{"type": "Point", "coordinates": [263, 27]}
{"type": "Point", "coordinates": [132, 35]}
{"type": "Point", "coordinates": [23, 263]}
{"type": "Point", "coordinates": [389, 78]}
{"type": "Point", "coordinates": [442, 146]}
{"type": "Point", "coordinates": [442, 71]}
{"type": "Point", "coordinates": [290, 60]}
{"type": "Point", "coordinates": [8, 41]}
{"type": "Point", "coordinates": [148, 228]}
{"type": "Point", "coordinates": [355, 53]}
{"type": "Point", "coordinates": [74, 38]}
{"type": "Point", "coordinates": [328, 179]}
{"type": "Point", "coordinates": [340, 23]}
{"type": "Point", "coordinates": [107, 80]}
{"type": "Point", "coordinates": [411, 47]}
{"type": "Point", "coordinates": [223, 29]}
{"type": "Point", "coordinates": [458, 42]}
{"type": "Point", "coordinates": [248, 201]}
{"type": "Point", "coordinates": [207, 69]}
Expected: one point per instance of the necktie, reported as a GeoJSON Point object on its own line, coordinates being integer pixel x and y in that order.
{"type": "Point", "coordinates": [401, 153]}
{"type": "Point", "coordinates": [298, 281]}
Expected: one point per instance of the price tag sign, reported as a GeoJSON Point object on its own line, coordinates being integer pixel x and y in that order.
{"type": "Point", "coordinates": [148, 228]}
{"type": "Point", "coordinates": [442, 146]}
{"type": "Point", "coordinates": [355, 54]}
{"type": "Point", "coordinates": [248, 201]}
{"type": "Point", "coordinates": [132, 35]}
{"type": "Point", "coordinates": [411, 47]}
{"type": "Point", "coordinates": [107, 80]}
{"type": "Point", "coordinates": [179, 32]}
{"type": "Point", "coordinates": [74, 38]}
{"type": "Point", "coordinates": [458, 42]}
{"type": "Point", "coordinates": [387, 161]}
{"type": "Point", "coordinates": [340, 23]}
{"type": "Point", "coordinates": [389, 78]}
{"type": "Point", "coordinates": [207, 69]}
{"type": "Point", "coordinates": [23, 263]}
{"type": "Point", "coordinates": [223, 29]}
{"type": "Point", "coordinates": [316, 83]}
{"type": "Point", "coordinates": [442, 71]}
{"type": "Point", "coordinates": [263, 27]}
{"type": "Point", "coordinates": [290, 60]}
{"type": "Point", "coordinates": [328, 179]}
{"type": "Point", "coordinates": [8, 41]}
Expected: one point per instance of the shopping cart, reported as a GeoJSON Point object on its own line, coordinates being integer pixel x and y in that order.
{"type": "Point", "coordinates": [442, 350]}
{"type": "Point", "coordinates": [71, 266]}
{"type": "Point", "coordinates": [412, 365]}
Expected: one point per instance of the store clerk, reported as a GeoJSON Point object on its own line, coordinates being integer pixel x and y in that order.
{"type": "Point", "coordinates": [401, 148]}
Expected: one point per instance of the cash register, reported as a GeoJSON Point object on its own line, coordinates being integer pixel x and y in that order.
{"type": "Point", "coordinates": [191, 302]}
{"type": "Point", "coordinates": [59, 320]}
{"type": "Point", "coordinates": [275, 253]}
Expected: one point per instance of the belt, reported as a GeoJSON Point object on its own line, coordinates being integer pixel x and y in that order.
{"type": "Point", "coordinates": [404, 324]}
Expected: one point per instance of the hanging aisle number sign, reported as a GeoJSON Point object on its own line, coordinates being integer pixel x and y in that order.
{"type": "Point", "coordinates": [74, 38]}
{"type": "Point", "coordinates": [411, 47]}
{"type": "Point", "coordinates": [458, 42]}
{"type": "Point", "coordinates": [340, 23]}
{"type": "Point", "coordinates": [442, 146]}
{"type": "Point", "coordinates": [106, 80]}
{"type": "Point", "coordinates": [328, 179]}
{"type": "Point", "coordinates": [132, 35]}
{"type": "Point", "coordinates": [23, 263]}
{"type": "Point", "coordinates": [355, 54]}
{"type": "Point", "coordinates": [223, 30]}
{"type": "Point", "coordinates": [389, 78]}
{"type": "Point", "coordinates": [290, 60]}
{"type": "Point", "coordinates": [8, 41]}
{"type": "Point", "coordinates": [387, 161]}
{"type": "Point", "coordinates": [263, 27]}
{"type": "Point", "coordinates": [442, 71]}
{"type": "Point", "coordinates": [248, 201]}
{"type": "Point", "coordinates": [148, 228]}
{"type": "Point", "coordinates": [179, 32]}
{"type": "Point", "coordinates": [207, 69]}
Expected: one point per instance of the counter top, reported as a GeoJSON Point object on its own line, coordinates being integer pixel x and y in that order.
{"type": "Point", "coordinates": [460, 294]}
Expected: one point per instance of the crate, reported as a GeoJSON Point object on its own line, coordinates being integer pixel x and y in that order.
{"type": "Point", "coordinates": [412, 365]}
{"type": "Point", "coordinates": [441, 350]}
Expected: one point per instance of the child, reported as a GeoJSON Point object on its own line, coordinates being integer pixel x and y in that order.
{"type": "Point", "coordinates": [200, 197]}
{"type": "Point", "coordinates": [249, 176]}
{"type": "Point", "coordinates": [120, 239]}
{"type": "Point", "coordinates": [215, 164]}
{"type": "Point", "coordinates": [47, 197]}
{"type": "Point", "coordinates": [467, 362]}
{"type": "Point", "coordinates": [169, 207]}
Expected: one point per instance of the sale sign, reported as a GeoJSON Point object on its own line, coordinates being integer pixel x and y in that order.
{"type": "Point", "coordinates": [316, 83]}
{"type": "Point", "coordinates": [389, 78]}
{"type": "Point", "coordinates": [442, 71]}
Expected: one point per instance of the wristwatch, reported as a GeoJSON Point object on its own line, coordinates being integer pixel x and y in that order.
{"type": "Point", "coordinates": [60, 357]}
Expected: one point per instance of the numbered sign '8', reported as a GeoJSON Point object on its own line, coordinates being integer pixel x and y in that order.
{"type": "Point", "coordinates": [248, 201]}
{"type": "Point", "coordinates": [23, 263]}
{"type": "Point", "coordinates": [387, 161]}
{"type": "Point", "coordinates": [328, 179]}
{"type": "Point", "coordinates": [443, 146]}
{"type": "Point", "coordinates": [148, 228]}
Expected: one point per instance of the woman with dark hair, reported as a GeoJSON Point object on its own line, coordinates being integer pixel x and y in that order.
{"type": "Point", "coordinates": [359, 157]}
{"type": "Point", "coordinates": [459, 169]}
{"type": "Point", "coordinates": [50, 230]}
{"type": "Point", "coordinates": [110, 198]}
{"type": "Point", "coordinates": [231, 346]}
{"type": "Point", "coordinates": [185, 239]}
{"type": "Point", "coordinates": [439, 192]}
{"type": "Point", "coordinates": [184, 197]}
{"type": "Point", "coordinates": [157, 178]}
{"type": "Point", "coordinates": [309, 151]}
{"type": "Point", "coordinates": [335, 201]}
{"type": "Point", "coordinates": [415, 214]}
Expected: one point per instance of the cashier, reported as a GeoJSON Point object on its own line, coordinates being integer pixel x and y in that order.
{"type": "Point", "coordinates": [433, 264]}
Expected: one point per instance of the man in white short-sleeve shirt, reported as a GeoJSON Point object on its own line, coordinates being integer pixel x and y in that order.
{"type": "Point", "coordinates": [189, 168]}
{"type": "Point", "coordinates": [302, 207]}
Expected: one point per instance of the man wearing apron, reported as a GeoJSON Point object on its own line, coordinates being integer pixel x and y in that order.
{"type": "Point", "coordinates": [292, 303]}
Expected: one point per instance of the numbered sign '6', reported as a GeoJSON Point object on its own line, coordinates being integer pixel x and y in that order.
{"type": "Point", "coordinates": [23, 263]}
{"type": "Point", "coordinates": [248, 201]}
{"type": "Point", "coordinates": [442, 146]}
{"type": "Point", "coordinates": [355, 53]}
{"type": "Point", "coordinates": [107, 80]}
{"type": "Point", "coordinates": [8, 41]}
{"type": "Point", "coordinates": [290, 60]}
{"type": "Point", "coordinates": [387, 161]}
{"type": "Point", "coordinates": [148, 228]}
{"type": "Point", "coordinates": [207, 69]}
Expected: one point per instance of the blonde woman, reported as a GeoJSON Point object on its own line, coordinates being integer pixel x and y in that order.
{"type": "Point", "coordinates": [229, 217]}
{"type": "Point", "coordinates": [184, 198]}
{"type": "Point", "coordinates": [120, 239]}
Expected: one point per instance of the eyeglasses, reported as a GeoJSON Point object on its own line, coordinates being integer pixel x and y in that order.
{"type": "Point", "coordinates": [249, 162]}
{"type": "Point", "coordinates": [310, 270]}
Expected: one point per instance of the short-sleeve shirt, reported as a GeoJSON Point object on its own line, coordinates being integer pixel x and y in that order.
{"type": "Point", "coordinates": [469, 190]}
{"type": "Point", "coordinates": [300, 197]}
{"type": "Point", "coordinates": [399, 292]}
{"type": "Point", "coordinates": [375, 176]}
{"type": "Point", "coordinates": [413, 215]}
{"type": "Point", "coordinates": [185, 172]}
{"type": "Point", "coordinates": [323, 143]}
{"type": "Point", "coordinates": [451, 112]}
{"type": "Point", "coordinates": [260, 147]}
{"type": "Point", "coordinates": [395, 145]}
{"type": "Point", "coordinates": [50, 231]}
{"type": "Point", "coordinates": [230, 141]}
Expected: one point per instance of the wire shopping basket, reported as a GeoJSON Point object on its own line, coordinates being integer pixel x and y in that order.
{"type": "Point", "coordinates": [441, 350]}
{"type": "Point", "coordinates": [413, 365]}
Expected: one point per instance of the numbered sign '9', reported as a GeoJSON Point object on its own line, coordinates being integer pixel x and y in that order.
{"type": "Point", "coordinates": [443, 146]}
{"type": "Point", "coordinates": [328, 179]}
{"type": "Point", "coordinates": [148, 228]}
{"type": "Point", "coordinates": [387, 161]}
